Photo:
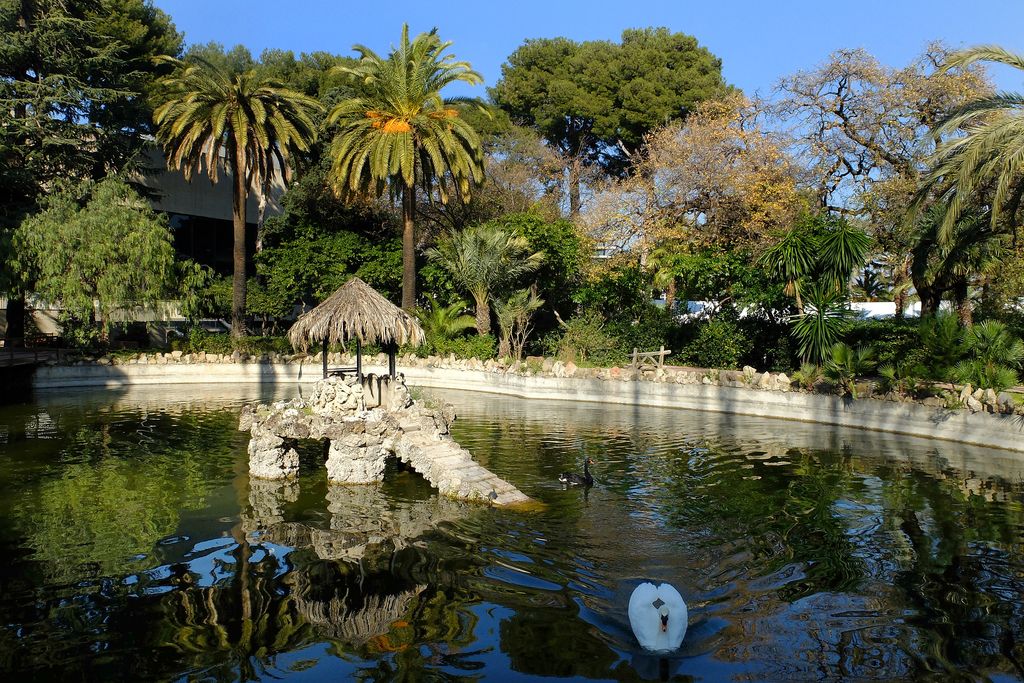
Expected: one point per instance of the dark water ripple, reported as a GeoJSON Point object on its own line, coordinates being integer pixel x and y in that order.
{"type": "Point", "coordinates": [135, 548]}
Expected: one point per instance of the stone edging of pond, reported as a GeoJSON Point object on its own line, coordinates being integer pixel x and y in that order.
{"type": "Point", "coordinates": [978, 417]}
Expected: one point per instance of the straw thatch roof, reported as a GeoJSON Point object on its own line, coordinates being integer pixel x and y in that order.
{"type": "Point", "coordinates": [355, 310]}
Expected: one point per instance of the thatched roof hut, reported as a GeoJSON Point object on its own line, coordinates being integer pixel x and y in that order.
{"type": "Point", "coordinates": [356, 311]}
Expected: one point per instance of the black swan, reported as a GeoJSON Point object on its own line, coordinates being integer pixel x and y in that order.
{"type": "Point", "coordinates": [573, 479]}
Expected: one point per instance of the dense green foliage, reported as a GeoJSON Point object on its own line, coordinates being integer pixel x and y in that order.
{"type": "Point", "coordinates": [595, 101]}
{"type": "Point", "coordinates": [641, 124]}
{"type": "Point", "coordinates": [583, 339]}
{"type": "Point", "coordinates": [718, 344]}
{"type": "Point", "coordinates": [97, 248]}
{"type": "Point", "coordinates": [74, 80]}
{"type": "Point", "coordinates": [74, 76]}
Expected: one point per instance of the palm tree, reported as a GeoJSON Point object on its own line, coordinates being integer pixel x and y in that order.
{"type": "Point", "coordinates": [792, 258]}
{"type": "Point", "coordinates": [841, 251]}
{"type": "Point", "coordinates": [402, 133]}
{"type": "Point", "coordinates": [971, 249]}
{"type": "Point", "coordinates": [248, 122]}
{"type": "Point", "coordinates": [869, 285]}
{"type": "Point", "coordinates": [822, 323]}
{"type": "Point", "coordinates": [515, 320]}
{"type": "Point", "coordinates": [990, 154]}
{"type": "Point", "coordinates": [665, 261]}
{"type": "Point", "coordinates": [483, 258]}
{"type": "Point", "coordinates": [444, 322]}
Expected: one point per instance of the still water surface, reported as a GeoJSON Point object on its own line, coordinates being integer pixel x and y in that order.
{"type": "Point", "coordinates": [135, 548]}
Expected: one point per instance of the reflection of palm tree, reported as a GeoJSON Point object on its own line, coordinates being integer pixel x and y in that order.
{"type": "Point", "coordinates": [957, 585]}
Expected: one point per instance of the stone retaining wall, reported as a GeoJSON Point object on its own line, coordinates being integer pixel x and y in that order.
{"type": "Point", "coordinates": [971, 416]}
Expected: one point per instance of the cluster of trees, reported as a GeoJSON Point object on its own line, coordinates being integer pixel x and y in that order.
{"type": "Point", "coordinates": [778, 211]}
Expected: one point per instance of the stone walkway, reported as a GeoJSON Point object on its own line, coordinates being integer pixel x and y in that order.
{"type": "Point", "coordinates": [450, 467]}
{"type": "Point", "coordinates": [362, 438]}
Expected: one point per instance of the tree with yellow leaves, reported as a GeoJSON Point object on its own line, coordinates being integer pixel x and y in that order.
{"type": "Point", "coordinates": [718, 179]}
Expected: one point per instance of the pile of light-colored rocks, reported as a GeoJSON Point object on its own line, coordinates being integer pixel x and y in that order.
{"type": "Point", "coordinates": [360, 439]}
{"type": "Point", "coordinates": [335, 396]}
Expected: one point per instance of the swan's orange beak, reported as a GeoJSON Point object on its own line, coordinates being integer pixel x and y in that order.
{"type": "Point", "coordinates": [664, 623]}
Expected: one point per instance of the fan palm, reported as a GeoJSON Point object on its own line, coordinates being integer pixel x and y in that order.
{"type": "Point", "coordinates": [990, 154]}
{"type": "Point", "coordinates": [402, 133]}
{"type": "Point", "coordinates": [483, 258]}
{"type": "Point", "coordinates": [845, 364]}
{"type": "Point", "coordinates": [248, 122]}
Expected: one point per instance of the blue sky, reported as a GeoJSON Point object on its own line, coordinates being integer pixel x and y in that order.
{"type": "Point", "coordinates": [757, 40]}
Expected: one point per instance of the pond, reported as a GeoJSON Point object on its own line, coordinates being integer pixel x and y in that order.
{"type": "Point", "coordinates": [135, 548]}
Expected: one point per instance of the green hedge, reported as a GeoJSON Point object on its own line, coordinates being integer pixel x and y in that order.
{"type": "Point", "coordinates": [199, 340]}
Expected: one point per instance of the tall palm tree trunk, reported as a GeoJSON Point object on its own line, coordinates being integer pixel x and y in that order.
{"type": "Point", "coordinates": [900, 278]}
{"type": "Point", "coordinates": [483, 315]}
{"type": "Point", "coordinates": [408, 247]}
{"type": "Point", "coordinates": [238, 198]}
{"type": "Point", "coordinates": [962, 301]}
{"type": "Point", "coordinates": [575, 179]}
{"type": "Point", "coordinates": [15, 334]}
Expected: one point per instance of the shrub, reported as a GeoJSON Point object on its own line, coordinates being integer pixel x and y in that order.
{"type": "Point", "coordinates": [903, 378]}
{"type": "Point", "coordinates": [985, 375]}
{"type": "Point", "coordinates": [471, 346]}
{"type": "Point", "coordinates": [995, 356]}
{"type": "Point", "coordinates": [583, 338]}
{"type": "Point", "coordinates": [894, 341]}
{"type": "Point", "coordinates": [199, 340]}
{"type": "Point", "coordinates": [846, 364]}
{"type": "Point", "coordinates": [257, 345]}
{"type": "Point", "coordinates": [769, 347]}
{"type": "Point", "coordinates": [942, 345]}
{"type": "Point", "coordinates": [648, 331]}
{"type": "Point", "coordinates": [719, 344]}
{"type": "Point", "coordinates": [808, 376]}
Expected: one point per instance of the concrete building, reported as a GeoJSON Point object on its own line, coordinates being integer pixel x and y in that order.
{"type": "Point", "coordinates": [200, 211]}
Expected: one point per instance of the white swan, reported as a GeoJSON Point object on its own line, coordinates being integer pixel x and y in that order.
{"type": "Point", "coordinates": [658, 616]}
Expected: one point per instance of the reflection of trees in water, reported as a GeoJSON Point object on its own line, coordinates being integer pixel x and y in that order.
{"type": "Point", "coordinates": [364, 610]}
{"type": "Point", "coordinates": [964, 574]}
{"type": "Point", "coordinates": [115, 494]}
{"type": "Point", "coordinates": [543, 642]}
